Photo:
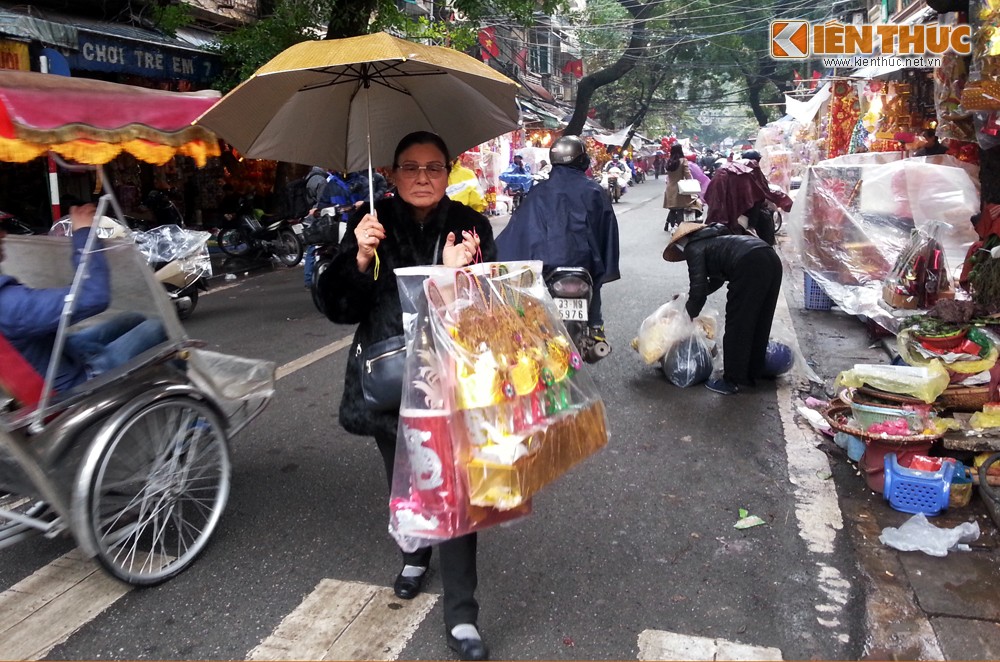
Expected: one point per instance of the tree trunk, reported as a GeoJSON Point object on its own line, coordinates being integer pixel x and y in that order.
{"type": "Point", "coordinates": [589, 83]}
{"type": "Point", "coordinates": [644, 104]}
{"type": "Point", "coordinates": [349, 18]}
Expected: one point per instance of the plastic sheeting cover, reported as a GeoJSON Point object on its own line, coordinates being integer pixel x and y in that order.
{"type": "Point", "coordinates": [855, 213]}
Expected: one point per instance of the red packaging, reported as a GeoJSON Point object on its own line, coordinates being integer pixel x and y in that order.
{"type": "Point", "coordinates": [923, 463]}
{"type": "Point", "coordinates": [437, 507]}
{"type": "Point", "coordinates": [432, 464]}
{"type": "Point", "coordinates": [968, 347]}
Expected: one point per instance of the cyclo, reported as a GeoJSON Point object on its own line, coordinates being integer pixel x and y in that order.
{"type": "Point", "coordinates": [134, 463]}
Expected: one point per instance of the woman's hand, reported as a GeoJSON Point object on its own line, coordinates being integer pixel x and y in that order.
{"type": "Point", "coordinates": [461, 254]}
{"type": "Point", "coordinates": [369, 234]}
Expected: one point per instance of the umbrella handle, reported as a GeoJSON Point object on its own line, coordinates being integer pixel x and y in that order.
{"type": "Point", "coordinates": [371, 184]}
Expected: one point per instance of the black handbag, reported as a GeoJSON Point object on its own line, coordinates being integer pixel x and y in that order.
{"type": "Point", "coordinates": [382, 366]}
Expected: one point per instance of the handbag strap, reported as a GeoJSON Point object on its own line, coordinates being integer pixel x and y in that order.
{"type": "Point", "coordinates": [437, 249]}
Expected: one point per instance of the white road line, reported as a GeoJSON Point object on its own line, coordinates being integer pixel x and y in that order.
{"type": "Point", "coordinates": [42, 610]}
{"type": "Point", "coordinates": [817, 508]}
{"type": "Point", "coordinates": [660, 645]}
{"type": "Point", "coordinates": [346, 621]}
{"type": "Point", "coordinates": [312, 357]}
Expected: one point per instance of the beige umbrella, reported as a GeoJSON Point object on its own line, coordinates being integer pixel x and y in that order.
{"type": "Point", "coordinates": [345, 103]}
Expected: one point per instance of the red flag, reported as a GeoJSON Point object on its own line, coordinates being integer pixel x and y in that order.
{"type": "Point", "coordinates": [521, 59]}
{"type": "Point", "coordinates": [795, 75]}
{"type": "Point", "coordinates": [815, 80]}
{"type": "Point", "coordinates": [487, 40]}
{"type": "Point", "coordinates": [574, 67]}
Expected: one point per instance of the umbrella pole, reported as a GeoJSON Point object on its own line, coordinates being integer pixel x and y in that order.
{"type": "Point", "coordinates": [368, 138]}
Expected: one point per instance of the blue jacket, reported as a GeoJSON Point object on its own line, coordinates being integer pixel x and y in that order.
{"type": "Point", "coordinates": [566, 221]}
{"type": "Point", "coordinates": [29, 317]}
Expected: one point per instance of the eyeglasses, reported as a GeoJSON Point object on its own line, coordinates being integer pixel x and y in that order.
{"type": "Point", "coordinates": [411, 170]}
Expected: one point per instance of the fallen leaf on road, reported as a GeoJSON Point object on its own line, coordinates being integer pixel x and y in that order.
{"type": "Point", "coordinates": [748, 522]}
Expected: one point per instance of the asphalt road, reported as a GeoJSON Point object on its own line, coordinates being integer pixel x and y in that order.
{"type": "Point", "coordinates": [635, 542]}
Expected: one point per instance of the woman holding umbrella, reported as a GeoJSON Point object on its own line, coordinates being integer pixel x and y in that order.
{"type": "Point", "coordinates": [420, 226]}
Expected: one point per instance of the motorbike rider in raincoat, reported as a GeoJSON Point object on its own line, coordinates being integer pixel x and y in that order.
{"type": "Point", "coordinates": [567, 221]}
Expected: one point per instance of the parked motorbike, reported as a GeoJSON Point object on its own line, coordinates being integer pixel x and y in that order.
{"type": "Point", "coordinates": [179, 257]}
{"type": "Point", "coordinates": [572, 289]}
{"type": "Point", "coordinates": [180, 262]}
{"type": "Point", "coordinates": [280, 238]}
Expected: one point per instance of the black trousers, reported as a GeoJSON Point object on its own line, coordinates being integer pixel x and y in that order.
{"type": "Point", "coordinates": [761, 221]}
{"type": "Point", "coordinates": [750, 303]}
{"type": "Point", "coordinates": [458, 559]}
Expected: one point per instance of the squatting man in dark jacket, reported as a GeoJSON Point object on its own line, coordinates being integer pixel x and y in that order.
{"type": "Point", "coordinates": [753, 271]}
{"type": "Point", "coordinates": [29, 318]}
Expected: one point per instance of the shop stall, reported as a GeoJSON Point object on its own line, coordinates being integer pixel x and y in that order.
{"type": "Point", "coordinates": [857, 213]}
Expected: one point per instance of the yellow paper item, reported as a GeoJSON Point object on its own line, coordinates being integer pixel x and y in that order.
{"type": "Point", "coordinates": [565, 442]}
{"type": "Point", "coordinates": [923, 382]}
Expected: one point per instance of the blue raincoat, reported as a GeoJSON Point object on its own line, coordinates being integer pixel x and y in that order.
{"type": "Point", "coordinates": [566, 221]}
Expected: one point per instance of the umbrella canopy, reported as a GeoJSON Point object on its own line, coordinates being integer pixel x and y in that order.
{"type": "Point", "coordinates": [92, 121]}
{"type": "Point", "coordinates": [319, 102]}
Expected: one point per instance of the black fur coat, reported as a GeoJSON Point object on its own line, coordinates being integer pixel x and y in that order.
{"type": "Point", "coordinates": [352, 297]}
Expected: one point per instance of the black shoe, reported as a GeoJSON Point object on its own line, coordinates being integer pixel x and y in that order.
{"type": "Point", "coordinates": [407, 588]}
{"type": "Point", "coordinates": [468, 649]}
{"type": "Point", "coordinates": [722, 387]}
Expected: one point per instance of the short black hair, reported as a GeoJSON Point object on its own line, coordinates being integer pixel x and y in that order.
{"type": "Point", "coordinates": [421, 138]}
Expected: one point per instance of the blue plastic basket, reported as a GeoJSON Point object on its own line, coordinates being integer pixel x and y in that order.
{"type": "Point", "coordinates": [815, 297]}
{"type": "Point", "coordinates": [914, 491]}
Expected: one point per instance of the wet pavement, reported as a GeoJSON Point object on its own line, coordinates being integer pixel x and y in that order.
{"type": "Point", "coordinates": [919, 606]}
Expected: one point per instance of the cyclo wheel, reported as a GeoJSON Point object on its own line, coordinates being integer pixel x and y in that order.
{"type": "Point", "coordinates": [158, 490]}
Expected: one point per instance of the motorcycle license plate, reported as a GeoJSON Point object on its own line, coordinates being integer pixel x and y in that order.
{"type": "Point", "coordinates": [297, 228]}
{"type": "Point", "coordinates": [572, 310]}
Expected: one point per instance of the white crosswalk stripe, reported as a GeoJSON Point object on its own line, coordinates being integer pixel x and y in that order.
{"type": "Point", "coordinates": [44, 609]}
{"type": "Point", "coordinates": [660, 645]}
{"type": "Point", "coordinates": [346, 621]}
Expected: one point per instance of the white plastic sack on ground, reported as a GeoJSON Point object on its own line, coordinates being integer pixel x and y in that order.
{"type": "Point", "coordinates": [667, 326]}
{"type": "Point", "coordinates": [918, 535]}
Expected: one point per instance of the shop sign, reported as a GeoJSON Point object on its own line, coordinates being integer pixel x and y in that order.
{"type": "Point", "coordinates": [14, 55]}
{"type": "Point", "coordinates": [798, 39]}
{"type": "Point", "coordinates": [98, 53]}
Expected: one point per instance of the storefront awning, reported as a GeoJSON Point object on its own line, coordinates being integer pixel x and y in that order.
{"type": "Point", "coordinates": [104, 46]}
{"type": "Point", "coordinates": [548, 118]}
{"type": "Point", "coordinates": [92, 121]}
{"type": "Point", "coordinates": [538, 90]}
{"type": "Point", "coordinates": [29, 28]}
